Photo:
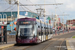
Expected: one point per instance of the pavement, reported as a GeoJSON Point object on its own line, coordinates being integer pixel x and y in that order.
{"type": "Point", "coordinates": [9, 44]}
{"type": "Point", "coordinates": [70, 43]}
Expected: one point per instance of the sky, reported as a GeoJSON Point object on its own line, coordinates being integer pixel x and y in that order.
{"type": "Point", "coordinates": [67, 8]}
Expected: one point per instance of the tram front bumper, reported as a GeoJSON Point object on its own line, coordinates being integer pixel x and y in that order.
{"type": "Point", "coordinates": [26, 41]}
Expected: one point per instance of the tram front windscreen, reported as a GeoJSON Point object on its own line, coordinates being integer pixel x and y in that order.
{"type": "Point", "coordinates": [25, 29]}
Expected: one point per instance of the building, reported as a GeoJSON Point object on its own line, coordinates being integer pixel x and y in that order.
{"type": "Point", "coordinates": [14, 14]}
{"type": "Point", "coordinates": [71, 23]}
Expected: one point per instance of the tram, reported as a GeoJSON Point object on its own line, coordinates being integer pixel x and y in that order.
{"type": "Point", "coordinates": [32, 30]}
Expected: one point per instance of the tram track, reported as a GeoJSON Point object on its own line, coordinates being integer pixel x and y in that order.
{"type": "Point", "coordinates": [53, 42]}
{"type": "Point", "coordinates": [59, 48]}
{"type": "Point", "coordinates": [16, 47]}
{"type": "Point", "coordinates": [61, 44]}
{"type": "Point", "coordinates": [48, 45]}
{"type": "Point", "coordinates": [30, 46]}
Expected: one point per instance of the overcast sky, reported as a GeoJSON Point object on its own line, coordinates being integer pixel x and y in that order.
{"type": "Point", "coordinates": [68, 7]}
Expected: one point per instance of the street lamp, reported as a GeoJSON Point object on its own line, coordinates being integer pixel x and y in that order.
{"type": "Point", "coordinates": [55, 17]}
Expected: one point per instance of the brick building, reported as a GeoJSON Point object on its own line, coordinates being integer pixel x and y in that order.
{"type": "Point", "coordinates": [71, 22]}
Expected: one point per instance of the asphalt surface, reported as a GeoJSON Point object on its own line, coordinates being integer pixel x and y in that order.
{"type": "Point", "coordinates": [58, 32]}
{"type": "Point", "coordinates": [56, 43]}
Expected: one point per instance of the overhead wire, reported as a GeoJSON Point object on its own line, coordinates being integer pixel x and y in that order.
{"type": "Point", "coordinates": [28, 9]}
{"type": "Point", "coordinates": [32, 3]}
{"type": "Point", "coordinates": [58, 7]}
{"type": "Point", "coordinates": [14, 7]}
{"type": "Point", "coordinates": [23, 8]}
{"type": "Point", "coordinates": [2, 3]}
{"type": "Point", "coordinates": [8, 8]}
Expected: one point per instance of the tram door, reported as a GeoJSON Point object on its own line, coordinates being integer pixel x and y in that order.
{"type": "Point", "coordinates": [46, 32]}
{"type": "Point", "coordinates": [3, 34]}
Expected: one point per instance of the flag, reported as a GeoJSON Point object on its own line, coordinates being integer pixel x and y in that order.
{"type": "Point", "coordinates": [49, 19]}
{"type": "Point", "coordinates": [59, 19]}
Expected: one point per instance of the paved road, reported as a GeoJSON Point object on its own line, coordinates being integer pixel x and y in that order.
{"type": "Point", "coordinates": [57, 43]}
{"type": "Point", "coordinates": [58, 32]}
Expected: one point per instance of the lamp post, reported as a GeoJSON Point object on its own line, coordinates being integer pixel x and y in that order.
{"type": "Point", "coordinates": [18, 8]}
{"type": "Point", "coordinates": [55, 20]}
{"type": "Point", "coordinates": [63, 25]}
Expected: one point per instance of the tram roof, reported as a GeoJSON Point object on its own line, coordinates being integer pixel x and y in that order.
{"type": "Point", "coordinates": [23, 19]}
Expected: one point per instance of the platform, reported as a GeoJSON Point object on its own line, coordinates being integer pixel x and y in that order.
{"type": "Point", "coordinates": [9, 44]}
{"type": "Point", "coordinates": [70, 43]}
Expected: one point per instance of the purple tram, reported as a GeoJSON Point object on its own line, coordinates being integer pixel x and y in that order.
{"type": "Point", "coordinates": [32, 30]}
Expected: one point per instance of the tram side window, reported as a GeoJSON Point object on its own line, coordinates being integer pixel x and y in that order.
{"type": "Point", "coordinates": [51, 31]}
{"type": "Point", "coordinates": [45, 33]}
{"type": "Point", "coordinates": [46, 27]}
{"type": "Point", "coordinates": [42, 33]}
{"type": "Point", "coordinates": [48, 33]}
{"type": "Point", "coordinates": [39, 34]}
{"type": "Point", "coordinates": [38, 26]}
{"type": "Point", "coordinates": [41, 27]}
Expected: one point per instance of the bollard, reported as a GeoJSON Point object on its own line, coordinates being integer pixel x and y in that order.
{"type": "Point", "coordinates": [63, 31]}
{"type": "Point", "coordinates": [55, 32]}
{"type": "Point", "coordinates": [68, 30]}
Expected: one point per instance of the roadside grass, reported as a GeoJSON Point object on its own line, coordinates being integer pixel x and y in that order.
{"type": "Point", "coordinates": [73, 37]}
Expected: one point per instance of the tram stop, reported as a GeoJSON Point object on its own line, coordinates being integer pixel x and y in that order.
{"type": "Point", "coordinates": [3, 28]}
{"type": "Point", "coordinates": [3, 34]}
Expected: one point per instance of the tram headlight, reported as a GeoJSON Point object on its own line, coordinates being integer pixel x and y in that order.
{"type": "Point", "coordinates": [31, 41]}
{"type": "Point", "coordinates": [30, 37]}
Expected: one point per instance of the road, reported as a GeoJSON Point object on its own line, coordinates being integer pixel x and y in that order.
{"type": "Point", "coordinates": [58, 32]}
{"type": "Point", "coordinates": [56, 43]}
